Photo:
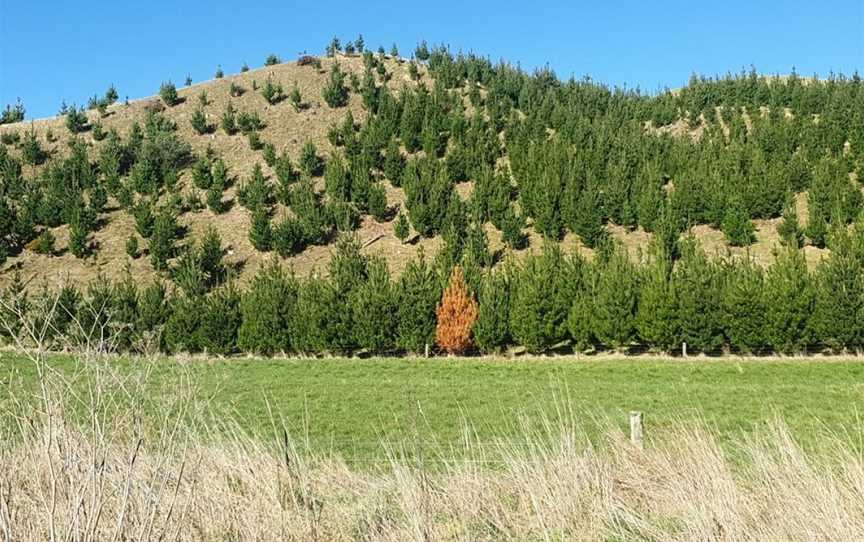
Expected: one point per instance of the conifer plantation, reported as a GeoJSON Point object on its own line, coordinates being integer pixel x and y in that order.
{"type": "Point", "coordinates": [224, 228]}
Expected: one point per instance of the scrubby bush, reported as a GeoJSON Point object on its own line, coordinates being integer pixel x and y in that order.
{"type": "Point", "coordinates": [272, 60]}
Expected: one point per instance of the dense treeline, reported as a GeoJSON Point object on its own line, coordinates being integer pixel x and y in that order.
{"type": "Point", "coordinates": [553, 155]}
{"type": "Point", "coordinates": [549, 301]}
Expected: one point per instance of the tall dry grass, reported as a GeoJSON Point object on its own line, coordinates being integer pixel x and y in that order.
{"type": "Point", "coordinates": [82, 466]}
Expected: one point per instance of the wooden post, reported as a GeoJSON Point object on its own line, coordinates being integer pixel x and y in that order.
{"type": "Point", "coordinates": [427, 350]}
{"type": "Point", "coordinates": [636, 428]}
{"type": "Point", "coordinates": [684, 350]}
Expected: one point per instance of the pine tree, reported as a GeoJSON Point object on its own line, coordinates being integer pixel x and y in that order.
{"type": "Point", "coordinates": [266, 312]}
{"type": "Point", "coordinates": [788, 301]}
{"type": "Point", "coordinates": [132, 246]}
{"type": "Point", "coordinates": [838, 311]}
{"type": "Point", "coordinates": [737, 225]}
{"type": "Point", "coordinates": [199, 122]}
{"type": "Point", "coordinates": [743, 307]}
{"type": "Point", "coordinates": [229, 120]}
{"type": "Point", "coordinates": [697, 292]}
{"type": "Point", "coordinates": [335, 93]}
{"type": "Point", "coordinates": [162, 240]}
{"type": "Point", "coordinates": [272, 92]}
{"type": "Point", "coordinates": [539, 302]}
{"type": "Point", "coordinates": [310, 163]}
{"type": "Point", "coordinates": [168, 93]}
{"type": "Point", "coordinates": [492, 329]}
{"type": "Point", "coordinates": [296, 98]}
{"type": "Point", "coordinates": [615, 295]}
{"type": "Point", "coordinates": [401, 228]}
{"type": "Point", "coordinates": [789, 230]}
{"type": "Point", "coordinates": [373, 309]}
{"type": "Point", "coordinates": [260, 232]}
{"type": "Point", "coordinates": [417, 296]}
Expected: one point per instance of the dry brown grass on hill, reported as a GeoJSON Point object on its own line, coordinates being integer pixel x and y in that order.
{"type": "Point", "coordinates": [286, 129]}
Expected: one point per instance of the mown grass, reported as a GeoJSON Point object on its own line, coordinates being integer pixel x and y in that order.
{"type": "Point", "coordinates": [351, 406]}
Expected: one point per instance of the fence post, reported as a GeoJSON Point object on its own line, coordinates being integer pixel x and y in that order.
{"type": "Point", "coordinates": [684, 350]}
{"type": "Point", "coordinates": [636, 428]}
{"type": "Point", "coordinates": [427, 350]}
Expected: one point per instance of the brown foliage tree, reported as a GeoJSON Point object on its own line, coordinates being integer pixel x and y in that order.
{"type": "Point", "coordinates": [456, 314]}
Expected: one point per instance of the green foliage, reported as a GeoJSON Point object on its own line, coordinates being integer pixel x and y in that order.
{"type": "Point", "coordinates": [12, 113]}
{"type": "Point", "coordinates": [272, 91]}
{"type": "Point", "coordinates": [743, 307]}
{"type": "Point", "coordinates": [229, 120]}
{"type": "Point", "coordinates": [45, 243]}
{"type": "Point", "coordinates": [260, 232]}
{"type": "Point", "coordinates": [272, 60]}
{"type": "Point", "coordinates": [219, 73]}
{"type": "Point", "coordinates": [401, 228]}
{"type": "Point", "coordinates": [76, 119]}
{"type": "Point", "coordinates": [788, 300]}
{"type": "Point", "coordinates": [335, 92]}
{"type": "Point", "coordinates": [615, 295]}
{"type": "Point", "coordinates": [697, 286]}
{"type": "Point", "coordinates": [492, 328]}
{"type": "Point", "coordinates": [31, 151]}
{"type": "Point", "coordinates": [168, 93]}
{"type": "Point", "coordinates": [132, 246]}
{"type": "Point", "coordinates": [266, 311]}
{"type": "Point", "coordinates": [656, 314]}
{"type": "Point", "coordinates": [417, 295]}
{"type": "Point", "coordinates": [737, 225]}
{"type": "Point", "coordinates": [539, 300]}
{"type": "Point", "coordinates": [295, 98]}
{"type": "Point", "coordinates": [162, 240]}
{"type": "Point", "coordinates": [789, 230]}
{"type": "Point", "coordinates": [310, 163]}
{"type": "Point", "coordinates": [199, 122]}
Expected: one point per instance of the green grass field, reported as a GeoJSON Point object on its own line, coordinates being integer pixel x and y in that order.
{"type": "Point", "coordinates": [349, 406]}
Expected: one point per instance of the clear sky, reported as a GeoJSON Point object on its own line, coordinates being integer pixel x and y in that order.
{"type": "Point", "coordinates": [55, 50]}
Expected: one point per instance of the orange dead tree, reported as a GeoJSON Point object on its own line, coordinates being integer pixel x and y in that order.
{"type": "Point", "coordinates": [456, 314]}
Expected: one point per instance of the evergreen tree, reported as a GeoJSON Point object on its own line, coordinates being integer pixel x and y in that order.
{"type": "Point", "coordinates": [791, 234]}
{"type": "Point", "coordinates": [401, 228]}
{"type": "Point", "coordinates": [838, 311]}
{"type": "Point", "coordinates": [656, 316]}
{"type": "Point", "coordinates": [743, 307]}
{"type": "Point", "coordinates": [492, 329]}
{"type": "Point", "coordinates": [373, 309]}
{"type": "Point", "coordinates": [168, 93]}
{"type": "Point", "coordinates": [737, 225]}
{"type": "Point", "coordinates": [788, 301]}
{"type": "Point", "coordinates": [220, 321]}
{"type": "Point", "coordinates": [540, 300]}
{"type": "Point", "coordinates": [229, 120]}
{"type": "Point", "coordinates": [260, 232]}
{"type": "Point", "coordinates": [162, 240]}
{"type": "Point", "coordinates": [417, 297]}
{"type": "Point", "coordinates": [696, 282]}
{"type": "Point", "coordinates": [266, 311]}
{"type": "Point", "coordinates": [615, 295]}
{"type": "Point", "coordinates": [335, 92]}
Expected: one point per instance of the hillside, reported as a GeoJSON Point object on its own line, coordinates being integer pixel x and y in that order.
{"type": "Point", "coordinates": [722, 215]}
{"type": "Point", "coordinates": [287, 130]}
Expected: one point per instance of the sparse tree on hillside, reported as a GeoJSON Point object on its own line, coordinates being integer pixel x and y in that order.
{"type": "Point", "coordinates": [168, 93]}
{"type": "Point", "coordinates": [271, 60]}
{"type": "Point", "coordinates": [401, 228]}
{"type": "Point", "coordinates": [335, 93]}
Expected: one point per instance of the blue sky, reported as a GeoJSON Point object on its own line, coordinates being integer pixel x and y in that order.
{"type": "Point", "coordinates": [51, 51]}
